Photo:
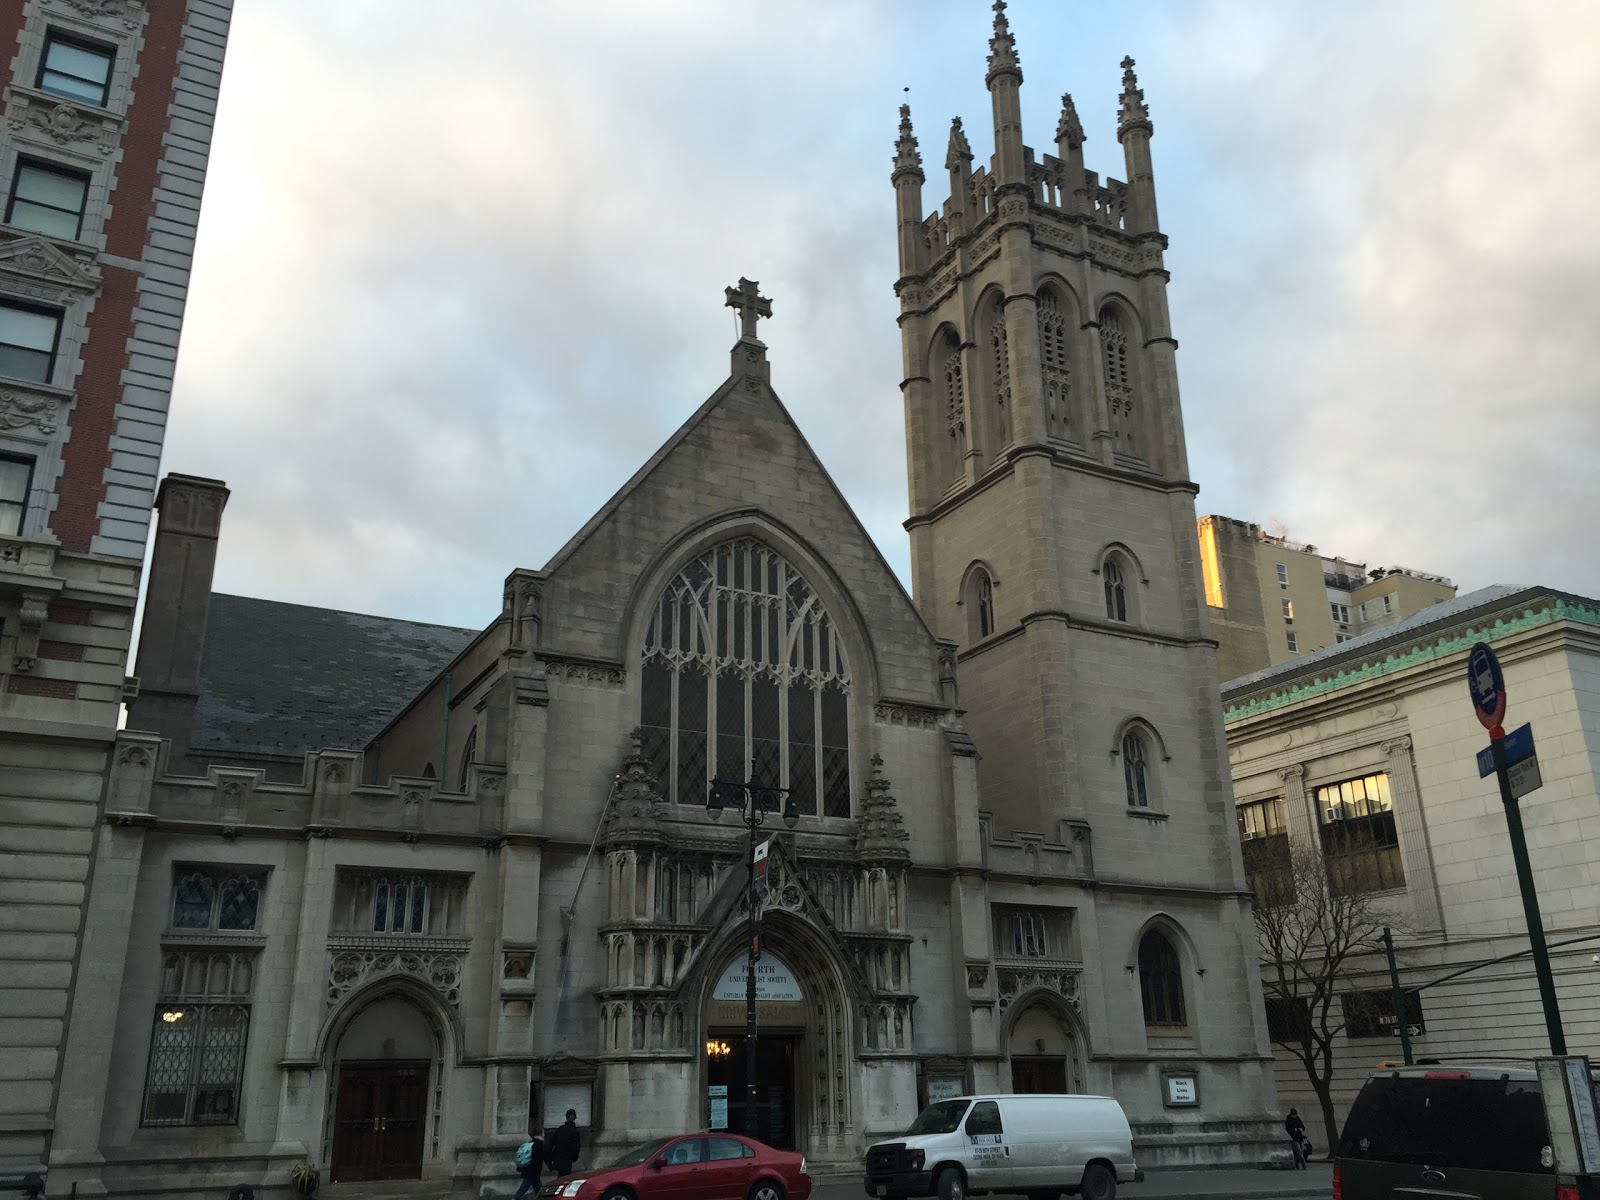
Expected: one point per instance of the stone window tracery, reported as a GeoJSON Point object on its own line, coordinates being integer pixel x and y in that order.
{"type": "Point", "coordinates": [1118, 369]}
{"type": "Point", "coordinates": [744, 677]}
{"type": "Point", "coordinates": [398, 904]}
{"type": "Point", "coordinates": [1116, 590]}
{"type": "Point", "coordinates": [215, 900]}
{"type": "Point", "coordinates": [947, 375]}
{"type": "Point", "coordinates": [1056, 363]}
{"type": "Point", "coordinates": [1136, 769]}
{"type": "Point", "coordinates": [1000, 377]}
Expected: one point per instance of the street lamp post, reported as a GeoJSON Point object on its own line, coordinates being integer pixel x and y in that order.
{"type": "Point", "coordinates": [753, 802]}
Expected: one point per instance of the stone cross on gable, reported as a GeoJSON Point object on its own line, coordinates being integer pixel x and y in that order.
{"type": "Point", "coordinates": [751, 304]}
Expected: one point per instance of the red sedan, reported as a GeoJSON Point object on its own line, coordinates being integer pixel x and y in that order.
{"type": "Point", "coordinates": [697, 1166]}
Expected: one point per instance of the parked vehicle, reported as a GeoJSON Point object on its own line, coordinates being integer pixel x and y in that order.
{"type": "Point", "coordinates": [718, 1166]}
{"type": "Point", "coordinates": [1041, 1145]}
{"type": "Point", "coordinates": [1468, 1130]}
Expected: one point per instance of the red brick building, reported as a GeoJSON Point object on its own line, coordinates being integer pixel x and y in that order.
{"type": "Point", "coordinates": [108, 113]}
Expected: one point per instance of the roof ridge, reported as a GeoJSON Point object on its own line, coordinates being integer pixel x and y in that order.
{"type": "Point", "coordinates": [349, 612]}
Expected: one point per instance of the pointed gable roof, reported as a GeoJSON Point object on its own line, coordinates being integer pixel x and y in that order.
{"type": "Point", "coordinates": [740, 452]}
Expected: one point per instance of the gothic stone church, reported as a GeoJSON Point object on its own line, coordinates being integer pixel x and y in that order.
{"type": "Point", "coordinates": [383, 895]}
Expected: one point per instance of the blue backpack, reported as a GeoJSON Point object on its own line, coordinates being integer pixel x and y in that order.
{"type": "Point", "coordinates": [524, 1154]}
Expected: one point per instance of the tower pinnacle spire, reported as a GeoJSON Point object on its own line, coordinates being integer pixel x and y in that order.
{"type": "Point", "coordinates": [1132, 112]}
{"type": "Point", "coordinates": [1069, 130]}
{"type": "Point", "coordinates": [1002, 46]}
{"type": "Point", "coordinates": [906, 155]}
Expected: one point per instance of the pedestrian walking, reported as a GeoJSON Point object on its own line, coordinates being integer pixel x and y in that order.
{"type": "Point", "coordinates": [530, 1165]}
{"type": "Point", "coordinates": [1296, 1129]}
{"type": "Point", "coordinates": [564, 1145]}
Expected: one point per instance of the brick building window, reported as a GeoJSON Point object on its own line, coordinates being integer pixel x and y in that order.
{"type": "Point", "coordinates": [47, 199]}
{"type": "Point", "coordinates": [28, 338]}
{"type": "Point", "coordinates": [75, 69]}
{"type": "Point", "coordinates": [1359, 838]}
{"type": "Point", "coordinates": [16, 477]}
{"type": "Point", "coordinates": [744, 677]}
{"type": "Point", "coordinates": [1264, 840]}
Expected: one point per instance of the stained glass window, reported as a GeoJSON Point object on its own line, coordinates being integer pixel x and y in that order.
{"type": "Point", "coordinates": [216, 899]}
{"type": "Point", "coordinates": [744, 677]}
{"type": "Point", "coordinates": [198, 1038]}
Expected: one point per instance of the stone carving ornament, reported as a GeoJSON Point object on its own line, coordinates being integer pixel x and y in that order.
{"type": "Point", "coordinates": [349, 969]}
{"type": "Point", "coordinates": [19, 408]}
{"type": "Point", "coordinates": [129, 12]}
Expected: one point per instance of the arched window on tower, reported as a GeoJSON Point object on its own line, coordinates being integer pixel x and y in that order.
{"type": "Point", "coordinates": [1000, 379]}
{"type": "Point", "coordinates": [744, 677]}
{"type": "Point", "coordinates": [1116, 589]}
{"type": "Point", "coordinates": [1056, 364]}
{"type": "Point", "coordinates": [947, 378]}
{"type": "Point", "coordinates": [1161, 980]}
{"type": "Point", "coordinates": [1119, 381]}
{"type": "Point", "coordinates": [979, 602]}
{"type": "Point", "coordinates": [1136, 768]}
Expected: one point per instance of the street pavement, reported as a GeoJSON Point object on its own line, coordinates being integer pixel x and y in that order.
{"type": "Point", "coordinates": [1314, 1183]}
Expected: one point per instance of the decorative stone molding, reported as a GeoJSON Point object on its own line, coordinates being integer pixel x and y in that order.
{"type": "Point", "coordinates": [523, 606]}
{"type": "Point", "coordinates": [133, 769]}
{"type": "Point", "coordinates": [40, 117]}
{"type": "Point", "coordinates": [880, 831]}
{"type": "Point", "coordinates": [21, 406]}
{"type": "Point", "coordinates": [31, 614]}
{"type": "Point", "coordinates": [634, 817]}
{"type": "Point", "coordinates": [585, 672]}
{"type": "Point", "coordinates": [977, 977]}
{"type": "Point", "coordinates": [128, 12]}
{"type": "Point", "coordinates": [907, 714]}
{"type": "Point", "coordinates": [516, 965]}
{"type": "Point", "coordinates": [440, 969]}
{"type": "Point", "coordinates": [1062, 978]}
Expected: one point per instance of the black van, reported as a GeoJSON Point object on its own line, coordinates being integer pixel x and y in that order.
{"type": "Point", "coordinates": [1463, 1130]}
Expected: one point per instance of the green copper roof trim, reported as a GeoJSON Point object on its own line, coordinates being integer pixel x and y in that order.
{"type": "Point", "coordinates": [1452, 642]}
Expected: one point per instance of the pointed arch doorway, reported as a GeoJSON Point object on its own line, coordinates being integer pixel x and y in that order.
{"type": "Point", "coordinates": [804, 1045]}
{"type": "Point", "coordinates": [1044, 1049]}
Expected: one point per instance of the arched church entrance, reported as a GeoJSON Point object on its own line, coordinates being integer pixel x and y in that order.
{"type": "Point", "coordinates": [1043, 1048]}
{"type": "Point", "coordinates": [803, 1072]}
{"type": "Point", "coordinates": [385, 1067]}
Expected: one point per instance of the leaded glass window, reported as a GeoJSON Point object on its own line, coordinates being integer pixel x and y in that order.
{"type": "Point", "coordinates": [1160, 981]}
{"type": "Point", "coordinates": [1056, 363]}
{"type": "Point", "coordinates": [198, 1038]}
{"type": "Point", "coordinates": [1119, 382]}
{"type": "Point", "coordinates": [1116, 590]}
{"type": "Point", "coordinates": [399, 904]}
{"type": "Point", "coordinates": [216, 900]}
{"type": "Point", "coordinates": [744, 677]}
{"type": "Point", "coordinates": [1135, 769]}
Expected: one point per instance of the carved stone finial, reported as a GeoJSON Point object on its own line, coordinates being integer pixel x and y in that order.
{"type": "Point", "coordinates": [906, 155]}
{"type": "Point", "coordinates": [1069, 130]}
{"type": "Point", "coordinates": [635, 814]}
{"type": "Point", "coordinates": [880, 832]}
{"type": "Point", "coordinates": [959, 155]}
{"type": "Point", "coordinates": [1132, 113]}
{"type": "Point", "coordinates": [1002, 46]}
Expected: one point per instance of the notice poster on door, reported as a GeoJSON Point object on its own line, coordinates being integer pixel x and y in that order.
{"type": "Point", "coordinates": [718, 1094]}
{"type": "Point", "coordinates": [774, 980]}
{"type": "Point", "coordinates": [944, 1087]}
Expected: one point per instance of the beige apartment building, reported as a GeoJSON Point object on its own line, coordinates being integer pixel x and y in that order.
{"type": "Point", "coordinates": [1367, 750]}
{"type": "Point", "coordinates": [1272, 600]}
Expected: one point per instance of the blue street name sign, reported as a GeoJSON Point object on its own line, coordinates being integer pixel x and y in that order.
{"type": "Point", "coordinates": [1518, 744]}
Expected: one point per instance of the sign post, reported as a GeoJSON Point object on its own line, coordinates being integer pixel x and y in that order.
{"type": "Point", "coordinates": [1487, 684]}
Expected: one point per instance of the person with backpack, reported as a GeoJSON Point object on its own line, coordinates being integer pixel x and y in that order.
{"type": "Point", "coordinates": [564, 1145]}
{"type": "Point", "coordinates": [1298, 1144]}
{"type": "Point", "coordinates": [530, 1165]}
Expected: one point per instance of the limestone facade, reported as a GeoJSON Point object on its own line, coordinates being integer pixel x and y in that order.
{"type": "Point", "coordinates": [1394, 706]}
{"type": "Point", "coordinates": [103, 148]}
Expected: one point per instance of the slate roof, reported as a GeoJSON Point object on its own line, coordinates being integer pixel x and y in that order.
{"type": "Point", "coordinates": [1446, 612]}
{"type": "Point", "coordinates": [281, 679]}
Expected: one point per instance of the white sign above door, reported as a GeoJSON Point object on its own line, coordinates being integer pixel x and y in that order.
{"type": "Point", "coordinates": [774, 980]}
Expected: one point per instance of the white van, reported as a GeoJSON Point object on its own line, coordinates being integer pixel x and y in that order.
{"type": "Point", "coordinates": [1040, 1145]}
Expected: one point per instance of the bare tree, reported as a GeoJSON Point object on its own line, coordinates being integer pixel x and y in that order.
{"type": "Point", "coordinates": [1311, 922]}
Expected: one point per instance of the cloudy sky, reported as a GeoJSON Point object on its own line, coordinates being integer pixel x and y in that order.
{"type": "Point", "coordinates": [458, 278]}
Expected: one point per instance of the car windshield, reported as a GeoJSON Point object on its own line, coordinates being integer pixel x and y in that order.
{"type": "Point", "coordinates": [640, 1154]}
{"type": "Point", "coordinates": [1469, 1124]}
{"type": "Point", "coordinates": [942, 1117]}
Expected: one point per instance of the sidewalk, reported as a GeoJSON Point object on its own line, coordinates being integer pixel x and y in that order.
{"type": "Point", "coordinates": [1315, 1181]}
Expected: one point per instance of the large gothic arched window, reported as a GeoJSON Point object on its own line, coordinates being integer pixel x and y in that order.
{"type": "Point", "coordinates": [1160, 981]}
{"type": "Point", "coordinates": [744, 678]}
{"type": "Point", "coordinates": [1119, 382]}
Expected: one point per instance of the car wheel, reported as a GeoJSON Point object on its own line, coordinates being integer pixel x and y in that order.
{"type": "Point", "coordinates": [618, 1193]}
{"type": "Point", "coordinates": [767, 1189]}
{"type": "Point", "coordinates": [1098, 1183]}
{"type": "Point", "coordinates": [951, 1184]}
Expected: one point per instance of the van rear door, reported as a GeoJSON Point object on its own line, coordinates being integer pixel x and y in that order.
{"type": "Point", "coordinates": [988, 1150]}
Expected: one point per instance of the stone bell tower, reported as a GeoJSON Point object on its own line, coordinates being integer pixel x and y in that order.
{"type": "Point", "coordinates": [1052, 517]}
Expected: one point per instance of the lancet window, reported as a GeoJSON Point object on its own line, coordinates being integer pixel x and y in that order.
{"type": "Point", "coordinates": [1000, 377]}
{"type": "Point", "coordinates": [1119, 382]}
{"type": "Point", "coordinates": [948, 377]}
{"type": "Point", "coordinates": [744, 677]}
{"type": "Point", "coordinates": [1056, 364]}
